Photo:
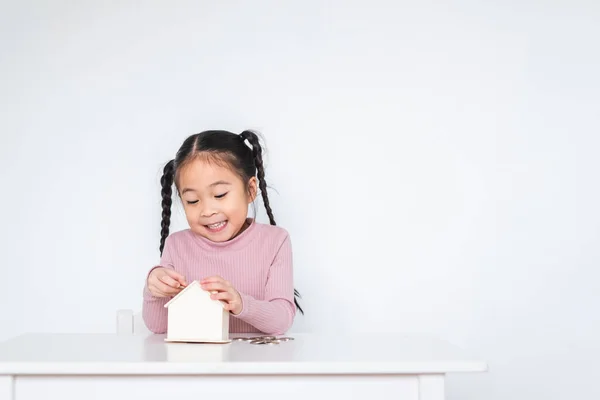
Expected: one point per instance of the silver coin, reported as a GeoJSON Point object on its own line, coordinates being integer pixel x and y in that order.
{"type": "Point", "coordinates": [258, 342]}
{"type": "Point", "coordinates": [270, 341]}
{"type": "Point", "coordinates": [263, 339]}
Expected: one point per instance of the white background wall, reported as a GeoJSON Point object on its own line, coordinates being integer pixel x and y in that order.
{"type": "Point", "coordinates": [435, 163]}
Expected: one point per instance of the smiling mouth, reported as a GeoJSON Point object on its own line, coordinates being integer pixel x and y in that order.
{"type": "Point", "coordinates": [219, 226]}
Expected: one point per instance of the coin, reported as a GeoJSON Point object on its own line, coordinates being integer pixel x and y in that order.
{"type": "Point", "coordinates": [263, 339]}
{"type": "Point", "coordinates": [258, 342]}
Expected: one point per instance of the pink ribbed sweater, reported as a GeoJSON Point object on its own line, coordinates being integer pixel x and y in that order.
{"type": "Point", "coordinates": [258, 263]}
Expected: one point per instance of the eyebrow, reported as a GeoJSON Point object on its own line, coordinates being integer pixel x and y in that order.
{"type": "Point", "coordinates": [217, 183]}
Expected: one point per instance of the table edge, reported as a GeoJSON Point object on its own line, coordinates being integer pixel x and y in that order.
{"type": "Point", "coordinates": [238, 368]}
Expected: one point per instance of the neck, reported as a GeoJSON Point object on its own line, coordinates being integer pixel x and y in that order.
{"type": "Point", "coordinates": [243, 228]}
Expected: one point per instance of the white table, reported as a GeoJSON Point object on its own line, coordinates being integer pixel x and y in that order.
{"type": "Point", "coordinates": [112, 366]}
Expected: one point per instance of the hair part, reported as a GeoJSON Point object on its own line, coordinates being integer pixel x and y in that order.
{"type": "Point", "coordinates": [226, 149]}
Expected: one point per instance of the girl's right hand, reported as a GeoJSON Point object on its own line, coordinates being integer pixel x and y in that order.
{"type": "Point", "coordinates": [165, 282]}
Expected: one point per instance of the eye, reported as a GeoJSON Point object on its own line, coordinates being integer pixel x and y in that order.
{"type": "Point", "coordinates": [220, 196]}
{"type": "Point", "coordinates": [192, 202]}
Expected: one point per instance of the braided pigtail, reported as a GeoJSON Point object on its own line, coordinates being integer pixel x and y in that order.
{"type": "Point", "coordinates": [166, 182]}
{"type": "Point", "coordinates": [260, 171]}
{"type": "Point", "coordinates": [262, 184]}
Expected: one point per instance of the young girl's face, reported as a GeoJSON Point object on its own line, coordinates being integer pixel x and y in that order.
{"type": "Point", "coordinates": [215, 199]}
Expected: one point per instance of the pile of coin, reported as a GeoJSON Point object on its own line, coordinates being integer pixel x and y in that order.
{"type": "Point", "coordinates": [263, 339]}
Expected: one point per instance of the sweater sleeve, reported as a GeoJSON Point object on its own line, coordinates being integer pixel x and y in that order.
{"type": "Point", "coordinates": [275, 314]}
{"type": "Point", "coordinates": [154, 312]}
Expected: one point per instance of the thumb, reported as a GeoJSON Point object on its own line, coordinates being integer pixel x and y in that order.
{"type": "Point", "coordinates": [177, 276]}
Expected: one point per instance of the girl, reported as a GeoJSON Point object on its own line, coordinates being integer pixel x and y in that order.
{"type": "Point", "coordinates": [249, 264]}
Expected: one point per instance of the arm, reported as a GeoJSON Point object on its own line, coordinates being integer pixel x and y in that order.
{"type": "Point", "coordinates": [275, 314]}
{"type": "Point", "coordinates": [154, 312]}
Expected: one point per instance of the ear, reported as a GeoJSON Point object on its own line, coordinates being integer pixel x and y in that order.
{"type": "Point", "coordinates": [252, 189]}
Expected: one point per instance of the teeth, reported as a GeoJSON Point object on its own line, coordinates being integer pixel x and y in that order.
{"type": "Point", "coordinates": [217, 225]}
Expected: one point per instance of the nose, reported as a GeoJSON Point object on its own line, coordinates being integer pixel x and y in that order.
{"type": "Point", "coordinates": [207, 211]}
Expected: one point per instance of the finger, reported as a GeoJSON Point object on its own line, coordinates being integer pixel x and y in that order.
{"type": "Point", "coordinates": [161, 291]}
{"type": "Point", "coordinates": [229, 306]}
{"type": "Point", "coordinates": [176, 276]}
{"type": "Point", "coordinates": [225, 296]}
{"type": "Point", "coordinates": [167, 280]}
{"type": "Point", "coordinates": [217, 279]}
{"type": "Point", "coordinates": [211, 279]}
{"type": "Point", "coordinates": [218, 286]}
{"type": "Point", "coordinates": [165, 289]}
{"type": "Point", "coordinates": [156, 291]}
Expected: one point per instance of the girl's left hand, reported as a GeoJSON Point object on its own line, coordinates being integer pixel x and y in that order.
{"type": "Point", "coordinates": [226, 293]}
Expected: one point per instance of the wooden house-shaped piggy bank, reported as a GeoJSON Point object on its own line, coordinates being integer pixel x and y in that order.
{"type": "Point", "coordinates": [193, 316]}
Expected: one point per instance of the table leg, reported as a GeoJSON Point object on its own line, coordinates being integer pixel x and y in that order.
{"type": "Point", "coordinates": [7, 389]}
{"type": "Point", "coordinates": [431, 387]}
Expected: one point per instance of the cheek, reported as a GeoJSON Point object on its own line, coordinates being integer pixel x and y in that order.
{"type": "Point", "coordinates": [191, 213]}
{"type": "Point", "coordinates": [236, 206]}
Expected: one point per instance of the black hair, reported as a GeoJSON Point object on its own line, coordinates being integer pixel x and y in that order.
{"type": "Point", "coordinates": [219, 146]}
